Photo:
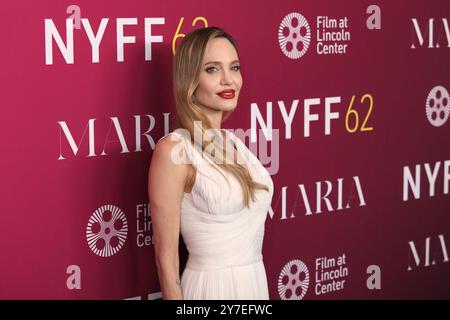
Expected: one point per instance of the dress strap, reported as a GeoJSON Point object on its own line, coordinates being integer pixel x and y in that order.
{"type": "Point", "coordinates": [191, 156]}
{"type": "Point", "coordinates": [168, 134]}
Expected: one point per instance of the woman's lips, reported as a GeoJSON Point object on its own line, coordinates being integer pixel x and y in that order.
{"type": "Point", "coordinates": [227, 94]}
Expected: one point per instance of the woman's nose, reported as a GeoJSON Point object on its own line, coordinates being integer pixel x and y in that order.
{"type": "Point", "coordinates": [226, 77]}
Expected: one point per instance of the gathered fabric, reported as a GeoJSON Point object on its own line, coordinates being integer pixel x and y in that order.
{"type": "Point", "coordinates": [224, 238]}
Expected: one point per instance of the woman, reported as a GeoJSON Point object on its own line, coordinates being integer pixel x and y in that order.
{"type": "Point", "coordinates": [218, 200]}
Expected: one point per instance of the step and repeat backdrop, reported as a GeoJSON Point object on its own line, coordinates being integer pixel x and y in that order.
{"type": "Point", "coordinates": [355, 92]}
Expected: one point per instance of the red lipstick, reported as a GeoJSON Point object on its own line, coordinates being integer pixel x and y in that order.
{"type": "Point", "coordinates": [227, 94]}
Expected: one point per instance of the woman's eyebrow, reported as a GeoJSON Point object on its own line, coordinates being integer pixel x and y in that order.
{"type": "Point", "coordinates": [219, 63]}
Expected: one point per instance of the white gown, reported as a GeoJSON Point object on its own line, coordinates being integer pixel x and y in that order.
{"type": "Point", "coordinates": [223, 237]}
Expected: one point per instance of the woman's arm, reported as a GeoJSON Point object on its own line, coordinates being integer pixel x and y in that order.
{"type": "Point", "coordinates": [166, 183]}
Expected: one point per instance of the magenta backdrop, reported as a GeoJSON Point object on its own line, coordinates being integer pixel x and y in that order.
{"type": "Point", "coordinates": [389, 238]}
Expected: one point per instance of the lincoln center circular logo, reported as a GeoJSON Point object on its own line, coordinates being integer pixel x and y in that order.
{"type": "Point", "coordinates": [106, 231]}
{"type": "Point", "coordinates": [437, 106]}
{"type": "Point", "coordinates": [294, 35]}
{"type": "Point", "coordinates": [293, 281]}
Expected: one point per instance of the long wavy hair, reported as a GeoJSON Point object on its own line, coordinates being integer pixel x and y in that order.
{"type": "Point", "coordinates": [187, 65]}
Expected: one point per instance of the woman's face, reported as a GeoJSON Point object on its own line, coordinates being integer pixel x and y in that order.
{"type": "Point", "coordinates": [220, 71]}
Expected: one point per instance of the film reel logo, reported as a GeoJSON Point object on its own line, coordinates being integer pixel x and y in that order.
{"type": "Point", "coordinates": [293, 281]}
{"type": "Point", "coordinates": [437, 106]}
{"type": "Point", "coordinates": [107, 230]}
{"type": "Point", "coordinates": [294, 35]}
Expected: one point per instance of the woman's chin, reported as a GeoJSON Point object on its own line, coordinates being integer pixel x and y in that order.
{"type": "Point", "coordinates": [229, 107]}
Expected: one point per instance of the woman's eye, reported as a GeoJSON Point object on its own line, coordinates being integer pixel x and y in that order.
{"type": "Point", "coordinates": [209, 69]}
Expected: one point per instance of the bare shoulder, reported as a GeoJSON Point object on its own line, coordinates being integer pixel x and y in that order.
{"type": "Point", "coordinates": [167, 161]}
{"type": "Point", "coordinates": [169, 150]}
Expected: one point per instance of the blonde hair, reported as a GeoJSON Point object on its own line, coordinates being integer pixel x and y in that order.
{"type": "Point", "coordinates": [187, 65]}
